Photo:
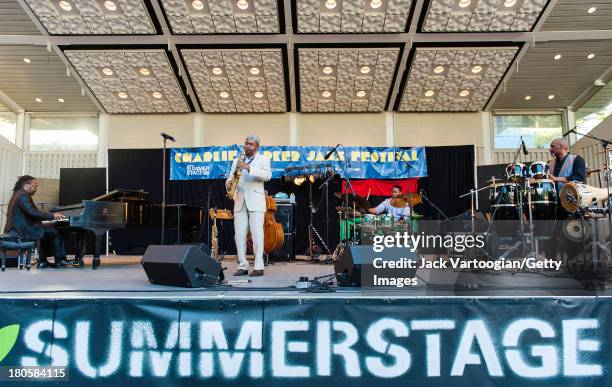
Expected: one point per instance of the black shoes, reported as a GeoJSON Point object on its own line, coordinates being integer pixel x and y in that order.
{"type": "Point", "coordinates": [241, 272]}
{"type": "Point", "coordinates": [42, 264]}
{"type": "Point", "coordinates": [61, 262]}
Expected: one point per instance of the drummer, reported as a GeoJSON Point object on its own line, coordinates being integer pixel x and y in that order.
{"type": "Point", "coordinates": [395, 206]}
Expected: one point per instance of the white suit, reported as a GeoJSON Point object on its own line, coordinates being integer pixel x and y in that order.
{"type": "Point", "coordinates": [250, 208]}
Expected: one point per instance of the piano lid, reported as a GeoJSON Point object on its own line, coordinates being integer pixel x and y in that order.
{"type": "Point", "coordinates": [122, 194]}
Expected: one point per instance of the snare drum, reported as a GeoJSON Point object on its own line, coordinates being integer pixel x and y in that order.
{"type": "Point", "coordinates": [539, 170]}
{"type": "Point", "coordinates": [516, 172]}
{"type": "Point", "coordinates": [386, 220]}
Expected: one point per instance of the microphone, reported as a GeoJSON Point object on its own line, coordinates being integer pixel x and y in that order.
{"type": "Point", "coordinates": [331, 152]}
{"type": "Point", "coordinates": [569, 131]}
{"type": "Point", "coordinates": [422, 192]}
{"type": "Point", "coordinates": [168, 137]}
{"type": "Point", "coordinates": [524, 148]}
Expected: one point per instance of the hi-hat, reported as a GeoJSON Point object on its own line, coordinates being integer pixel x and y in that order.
{"type": "Point", "coordinates": [356, 200]}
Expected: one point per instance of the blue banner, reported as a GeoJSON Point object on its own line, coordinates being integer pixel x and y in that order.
{"type": "Point", "coordinates": [215, 162]}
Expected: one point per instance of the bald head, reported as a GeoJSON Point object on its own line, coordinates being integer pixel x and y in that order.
{"type": "Point", "coordinates": [559, 147]}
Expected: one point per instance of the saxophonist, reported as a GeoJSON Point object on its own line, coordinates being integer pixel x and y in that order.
{"type": "Point", "coordinates": [251, 169]}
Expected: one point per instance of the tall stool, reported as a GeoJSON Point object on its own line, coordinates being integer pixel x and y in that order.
{"type": "Point", "coordinates": [24, 248]}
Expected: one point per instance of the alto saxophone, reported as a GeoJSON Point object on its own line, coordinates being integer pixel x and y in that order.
{"type": "Point", "coordinates": [233, 185]}
{"type": "Point", "coordinates": [214, 241]}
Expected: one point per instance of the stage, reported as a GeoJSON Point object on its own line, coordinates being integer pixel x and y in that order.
{"type": "Point", "coordinates": [124, 277]}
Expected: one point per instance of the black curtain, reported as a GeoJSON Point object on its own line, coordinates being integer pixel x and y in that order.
{"type": "Point", "coordinates": [450, 173]}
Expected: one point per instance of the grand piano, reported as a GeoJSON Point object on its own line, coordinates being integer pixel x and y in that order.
{"type": "Point", "coordinates": [95, 216]}
{"type": "Point", "coordinates": [134, 222]}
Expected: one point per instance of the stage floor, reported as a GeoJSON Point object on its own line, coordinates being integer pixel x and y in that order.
{"type": "Point", "coordinates": [123, 277]}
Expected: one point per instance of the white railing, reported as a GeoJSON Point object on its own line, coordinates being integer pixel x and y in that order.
{"type": "Point", "coordinates": [46, 165]}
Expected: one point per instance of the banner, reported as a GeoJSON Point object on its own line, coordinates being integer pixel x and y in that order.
{"type": "Point", "coordinates": [308, 342]}
{"type": "Point", "coordinates": [215, 162]}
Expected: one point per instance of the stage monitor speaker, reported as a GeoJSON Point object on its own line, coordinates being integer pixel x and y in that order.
{"type": "Point", "coordinates": [285, 216]}
{"type": "Point", "coordinates": [355, 264]}
{"type": "Point", "coordinates": [181, 265]}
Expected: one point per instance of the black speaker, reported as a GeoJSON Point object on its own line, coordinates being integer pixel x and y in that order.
{"type": "Point", "coordinates": [181, 265]}
{"type": "Point", "coordinates": [285, 216]}
{"type": "Point", "coordinates": [355, 264]}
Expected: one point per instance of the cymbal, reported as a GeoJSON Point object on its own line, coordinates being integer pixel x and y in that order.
{"type": "Point", "coordinates": [359, 202]}
{"type": "Point", "coordinates": [411, 199]}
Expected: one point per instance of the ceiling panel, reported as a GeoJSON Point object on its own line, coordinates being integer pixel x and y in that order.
{"type": "Point", "coordinates": [454, 79]}
{"type": "Point", "coordinates": [482, 15]}
{"type": "Point", "coordinates": [540, 75]}
{"type": "Point", "coordinates": [222, 16]}
{"type": "Point", "coordinates": [44, 78]}
{"type": "Point", "coordinates": [575, 15]}
{"type": "Point", "coordinates": [130, 81]}
{"type": "Point", "coordinates": [93, 17]}
{"type": "Point", "coordinates": [239, 81]}
{"type": "Point", "coordinates": [14, 21]}
{"type": "Point", "coordinates": [346, 79]}
{"type": "Point", "coordinates": [352, 16]}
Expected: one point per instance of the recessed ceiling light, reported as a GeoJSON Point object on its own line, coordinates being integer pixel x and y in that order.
{"type": "Point", "coordinates": [439, 69]}
{"type": "Point", "coordinates": [552, 96]}
{"type": "Point", "coordinates": [224, 94]}
{"type": "Point", "coordinates": [217, 70]}
{"type": "Point", "coordinates": [122, 95]}
{"type": "Point", "coordinates": [330, 4]}
{"type": "Point", "coordinates": [361, 94]}
{"type": "Point", "coordinates": [509, 3]}
{"type": "Point", "coordinates": [375, 4]}
{"type": "Point", "coordinates": [328, 70]}
{"type": "Point", "coordinates": [429, 93]}
{"type": "Point", "coordinates": [527, 97]}
{"type": "Point", "coordinates": [590, 56]}
{"type": "Point", "coordinates": [242, 4]}
{"type": "Point", "coordinates": [365, 69]}
{"type": "Point", "coordinates": [65, 5]}
{"type": "Point", "coordinates": [157, 94]}
{"type": "Point", "coordinates": [145, 71]}
{"type": "Point", "coordinates": [38, 100]}
{"type": "Point", "coordinates": [591, 10]}
{"type": "Point", "coordinates": [326, 94]}
{"type": "Point", "coordinates": [464, 3]}
{"type": "Point", "coordinates": [254, 70]}
{"type": "Point", "coordinates": [476, 69]}
{"type": "Point", "coordinates": [558, 56]}
{"type": "Point", "coordinates": [107, 71]}
{"type": "Point", "coordinates": [259, 94]}
{"type": "Point", "coordinates": [61, 100]}
{"type": "Point", "coordinates": [110, 5]}
{"type": "Point", "coordinates": [27, 60]}
{"type": "Point", "coordinates": [197, 5]}
{"type": "Point", "coordinates": [464, 93]}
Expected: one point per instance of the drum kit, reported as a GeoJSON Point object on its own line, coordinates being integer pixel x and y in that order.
{"type": "Point", "coordinates": [363, 226]}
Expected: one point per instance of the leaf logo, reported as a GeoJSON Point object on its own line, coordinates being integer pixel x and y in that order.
{"type": "Point", "coordinates": [8, 338]}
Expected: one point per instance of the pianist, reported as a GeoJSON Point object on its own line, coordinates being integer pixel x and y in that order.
{"type": "Point", "coordinates": [24, 221]}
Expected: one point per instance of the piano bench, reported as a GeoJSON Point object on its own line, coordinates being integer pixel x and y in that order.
{"type": "Point", "coordinates": [24, 248]}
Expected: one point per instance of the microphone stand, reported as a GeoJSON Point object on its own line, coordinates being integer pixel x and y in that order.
{"type": "Point", "coordinates": [163, 204]}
